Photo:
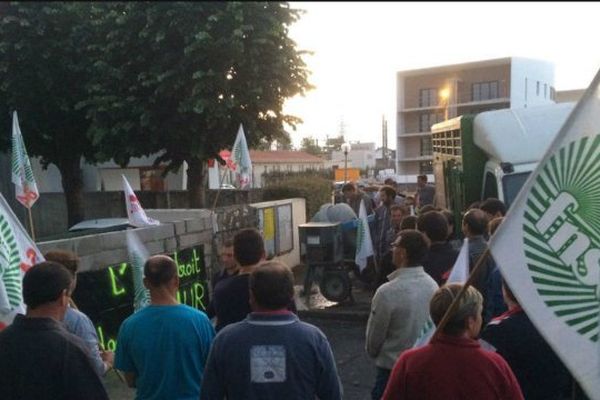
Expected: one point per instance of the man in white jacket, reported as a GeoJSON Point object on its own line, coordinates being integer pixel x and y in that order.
{"type": "Point", "coordinates": [400, 308]}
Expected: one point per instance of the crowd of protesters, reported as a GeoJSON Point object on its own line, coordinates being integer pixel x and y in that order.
{"type": "Point", "coordinates": [250, 344]}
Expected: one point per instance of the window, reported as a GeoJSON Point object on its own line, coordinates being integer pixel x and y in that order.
{"type": "Point", "coordinates": [428, 119]}
{"type": "Point", "coordinates": [485, 91]}
{"type": "Point", "coordinates": [426, 167]}
{"type": "Point", "coordinates": [428, 97]}
{"type": "Point", "coordinates": [426, 146]}
{"type": "Point", "coordinates": [552, 93]}
{"type": "Point", "coordinates": [490, 186]}
{"type": "Point", "coordinates": [545, 90]}
{"type": "Point", "coordinates": [537, 88]}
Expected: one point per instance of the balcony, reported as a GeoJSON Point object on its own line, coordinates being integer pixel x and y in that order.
{"type": "Point", "coordinates": [415, 158]}
{"type": "Point", "coordinates": [465, 103]}
{"type": "Point", "coordinates": [414, 135]}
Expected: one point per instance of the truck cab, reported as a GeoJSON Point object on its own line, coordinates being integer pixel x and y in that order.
{"type": "Point", "coordinates": [491, 154]}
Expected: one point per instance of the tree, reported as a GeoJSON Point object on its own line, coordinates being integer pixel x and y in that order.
{"type": "Point", "coordinates": [43, 71]}
{"type": "Point", "coordinates": [310, 146]}
{"type": "Point", "coordinates": [180, 77]}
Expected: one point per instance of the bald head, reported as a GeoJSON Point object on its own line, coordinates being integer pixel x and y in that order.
{"type": "Point", "coordinates": [474, 222]}
{"type": "Point", "coordinates": [160, 270]}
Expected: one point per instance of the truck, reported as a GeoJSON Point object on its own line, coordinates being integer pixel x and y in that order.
{"type": "Point", "coordinates": [491, 154]}
{"type": "Point", "coordinates": [348, 174]}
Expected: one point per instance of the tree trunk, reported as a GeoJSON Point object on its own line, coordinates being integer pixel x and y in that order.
{"type": "Point", "coordinates": [72, 183]}
{"type": "Point", "coordinates": [196, 183]}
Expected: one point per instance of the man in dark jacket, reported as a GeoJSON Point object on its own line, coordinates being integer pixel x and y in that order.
{"type": "Point", "coordinates": [441, 256]}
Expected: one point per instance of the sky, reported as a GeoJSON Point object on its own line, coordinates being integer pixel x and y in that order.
{"type": "Point", "coordinates": [358, 47]}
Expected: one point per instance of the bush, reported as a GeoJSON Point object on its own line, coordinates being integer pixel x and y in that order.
{"type": "Point", "coordinates": [315, 190]}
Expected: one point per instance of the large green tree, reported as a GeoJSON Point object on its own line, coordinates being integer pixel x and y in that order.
{"type": "Point", "coordinates": [180, 77]}
{"type": "Point", "coordinates": [43, 72]}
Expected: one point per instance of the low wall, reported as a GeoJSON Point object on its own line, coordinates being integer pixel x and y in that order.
{"type": "Point", "coordinates": [191, 236]}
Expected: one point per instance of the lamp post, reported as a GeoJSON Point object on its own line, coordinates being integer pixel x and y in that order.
{"type": "Point", "coordinates": [345, 148]}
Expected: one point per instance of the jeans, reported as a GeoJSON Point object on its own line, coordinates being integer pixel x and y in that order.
{"type": "Point", "coordinates": [381, 379]}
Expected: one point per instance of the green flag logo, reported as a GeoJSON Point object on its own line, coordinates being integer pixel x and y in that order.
{"type": "Point", "coordinates": [10, 261]}
{"type": "Point", "coordinates": [561, 233]}
{"type": "Point", "coordinates": [360, 236]}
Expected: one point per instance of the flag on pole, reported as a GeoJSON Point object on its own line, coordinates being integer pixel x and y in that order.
{"type": "Point", "coordinates": [138, 254]}
{"type": "Point", "coordinates": [364, 245]}
{"type": "Point", "coordinates": [548, 247]}
{"type": "Point", "coordinates": [241, 158]}
{"type": "Point", "coordinates": [136, 214]}
{"type": "Point", "coordinates": [22, 175]}
{"type": "Point", "coordinates": [17, 254]}
{"type": "Point", "coordinates": [458, 274]}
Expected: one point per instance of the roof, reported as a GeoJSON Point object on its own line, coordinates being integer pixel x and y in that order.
{"type": "Point", "coordinates": [283, 156]}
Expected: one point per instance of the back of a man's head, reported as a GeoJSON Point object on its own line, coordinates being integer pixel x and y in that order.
{"type": "Point", "coordinates": [64, 257]}
{"type": "Point", "coordinates": [272, 285]}
{"type": "Point", "coordinates": [248, 247]}
{"type": "Point", "coordinates": [159, 270]}
{"type": "Point", "coordinates": [349, 187]}
{"type": "Point", "coordinates": [433, 224]}
{"type": "Point", "coordinates": [415, 244]}
{"type": "Point", "coordinates": [44, 283]}
{"type": "Point", "coordinates": [476, 222]}
{"type": "Point", "coordinates": [494, 207]}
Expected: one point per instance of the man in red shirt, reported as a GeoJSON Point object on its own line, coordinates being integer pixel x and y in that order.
{"type": "Point", "coordinates": [453, 365]}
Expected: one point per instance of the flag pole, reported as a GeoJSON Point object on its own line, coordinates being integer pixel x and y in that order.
{"type": "Point", "coordinates": [31, 224]}
{"type": "Point", "coordinates": [452, 309]}
{"type": "Point", "coordinates": [219, 190]}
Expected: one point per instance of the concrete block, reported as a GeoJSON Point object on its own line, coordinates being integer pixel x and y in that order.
{"type": "Point", "coordinates": [108, 258]}
{"type": "Point", "coordinates": [170, 244]}
{"type": "Point", "coordinates": [179, 227]}
{"type": "Point", "coordinates": [155, 247]}
{"type": "Point", "coordinates": [113, 240]}
{"type": "Point", "coordinates": [87, 245]}
{"type": "Point", "coordinates": [189, 240]}
{"type": "Point", "coordinates": [193, 225]}
{"type": "Point", "coordinates": [63, 244]}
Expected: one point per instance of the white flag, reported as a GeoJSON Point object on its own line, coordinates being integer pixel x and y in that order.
{"type": "Point", "coordinates": [364, 245]}
{"type": "Point", "coordinates": [458, 274]}
{"type": "Point", "coordinates": [136, 214]}
{"type": "Point", "coordinates": [138, 254]}
{"type": "Point", "coordinates": [548, 246]}
{"type": "Point", "coordinates": [17, 254]}
{"type": "Point", "coordinates": [241, 158]}
{"type": "Point", "coordinates": [22, 176]}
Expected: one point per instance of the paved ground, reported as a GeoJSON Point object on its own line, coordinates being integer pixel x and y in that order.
{"type": "Point", "coordinates": [344, 325]}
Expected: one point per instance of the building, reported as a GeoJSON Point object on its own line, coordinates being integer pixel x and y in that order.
{"type": "Point", "coordinates": [361, 155]}
{"type": "Point", "coordinates": [430, 95]}
{"type": "Point", "coordinates": [566, 96]}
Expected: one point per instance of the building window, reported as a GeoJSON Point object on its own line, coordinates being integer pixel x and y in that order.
{"type": "Point", "coordinates": [537, 88]}
{"type": "Point", "coordinates": [545, 90]}
{"type": "Point", "coordinates": [426, 120]}
{"type": "Point", "coordinates": [428, 97]}
{"type": "Point", "coordinates": [426, 147]}
{"type": "Point", "coordinates": [552, 93]}
{"type": "Point", "coordinates": [485, 91]}
{"type": "Point", "coordinates": [426, 167]}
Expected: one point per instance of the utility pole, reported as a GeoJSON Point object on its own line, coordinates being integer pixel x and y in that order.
{"type": "Point", "coordinates": [384, 142]}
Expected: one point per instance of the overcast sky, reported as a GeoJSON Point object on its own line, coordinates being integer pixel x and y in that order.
{"type": "Point", "coordinates": [358, 48]}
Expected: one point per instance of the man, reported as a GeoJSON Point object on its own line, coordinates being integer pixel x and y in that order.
{"type": "Point", "coordinates": [425, 192]}
{"type": "Point", "coordinates": [397, 214]}
{"type": "Point", "coordinates": [400, 308]}
{"type": "Point", "coordinates": [162, 348]}
{"type": "Point", "coordinates": [493, 208]}
{"type": "Point", "coordinates": [271, 354]}
{"type": "Point", "coordinates": [474, 226]}
{"type": "Point", "coordinates": [381, 226]}
{"type": "Point", "coordinates": [231, 299]}
{"type": "Point", "coordinates": [229, 267]}
{"type": "Point", "coordinates": [540, 372]}
{"type": "Point", "coordinates": [77, 322]}
{"type": "Point", "coordinates": [39, 359]}
{"type": "Point", "coordinates": [353, 197]}
{"type": "Point", "coordinates": [441, 256]}
{"type": "Point", "coordinates": [453, 365]}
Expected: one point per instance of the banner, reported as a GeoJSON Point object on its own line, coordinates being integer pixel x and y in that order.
{"type": "Point", "coordinates": [136, 214]}
{"type": "Point", "coordinates": [17, 254]}
{"type": "Point", "coordinates": [26, 190]}
{"type": "Point", "coordinates": [138, 254]}
{"type": "Point", "coordinates": [241, 158]}
{"type": "Point", "coordinates": [548, 247]}
{"type": "Point", "coordinates": [364, 245]}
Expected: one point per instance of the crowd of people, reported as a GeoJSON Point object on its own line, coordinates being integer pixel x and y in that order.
{"type": "Point", "coordinates": [250, 343]}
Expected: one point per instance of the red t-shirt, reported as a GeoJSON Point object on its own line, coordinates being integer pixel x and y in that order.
{"type": "Point", "coordinates": [452, 368]}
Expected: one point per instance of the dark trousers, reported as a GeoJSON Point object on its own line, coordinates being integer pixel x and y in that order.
{"type": "Point", "coordinates": [381, 380]}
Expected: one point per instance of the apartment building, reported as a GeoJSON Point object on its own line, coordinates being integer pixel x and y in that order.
{"type": "Point", "coordinates": [431, 95]}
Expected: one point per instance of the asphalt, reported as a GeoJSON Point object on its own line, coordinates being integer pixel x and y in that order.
{"type": "Point", "coordinates": [343, 323]}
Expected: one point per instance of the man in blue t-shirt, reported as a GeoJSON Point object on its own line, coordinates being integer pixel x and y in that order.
{"type": "Point", "coordinates": [162, 349]}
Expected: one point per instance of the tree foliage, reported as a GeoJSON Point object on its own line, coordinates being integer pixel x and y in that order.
{"type": "Point", "coordinates": [310, 146]}
{"type": "Point", "coordinates": [43, 70]}
{"type": "Point", "coordinates": [181, 77]}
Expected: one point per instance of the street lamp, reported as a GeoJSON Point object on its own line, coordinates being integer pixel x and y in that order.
{"type": "Point", "coordinates": [345, 148]}
{"type": "Point", "coordinates": [445, 98]}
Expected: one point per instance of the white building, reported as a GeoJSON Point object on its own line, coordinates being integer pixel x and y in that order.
{"type": "Point", "coordinates": [430, 95]}
{"type": "Point", "coordinates": [361, 155]}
